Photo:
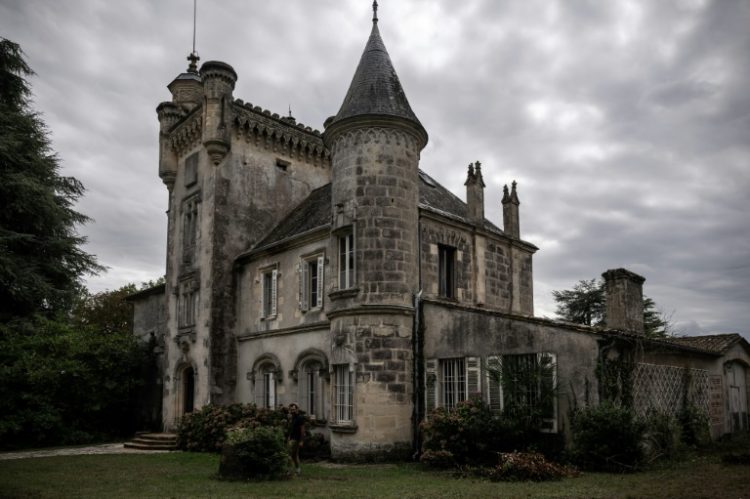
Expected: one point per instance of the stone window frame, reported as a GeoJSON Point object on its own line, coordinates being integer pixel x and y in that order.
{"type": "Point", "coordinates": [316, 260]}
{"type": "Point", "coordinates": [347, 267]}
{"type": "Point", "coordinates": [318, 413]}
{"type": "Point", "coordinates": [343, 409]}
{"type": "Point", "coordinates": [437, 388]}
{"type": "Point", "coordinates": [269, 291]}
{"type": "Point", "coordinates": [266, 373]}
{"type": "Point", "coordinates": [190, 227]}
{"type": "Point", "coordinates": [188, 303]}
{"type": "Point", "coordinates": [497, 398]}
{"type": "Point", "coordinates": [191, 169]}
{"type": "Point", "coordinates": [447, 271]}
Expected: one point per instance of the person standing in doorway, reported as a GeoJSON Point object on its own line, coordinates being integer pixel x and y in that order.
{"type": "Point", "coordinates": [295, 435]}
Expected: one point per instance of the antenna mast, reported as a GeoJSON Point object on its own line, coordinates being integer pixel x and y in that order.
{"type": "Point", "coordinates": [193, 57]}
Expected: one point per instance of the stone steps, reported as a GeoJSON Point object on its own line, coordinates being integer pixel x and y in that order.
{"type": "Point", "coordinates": [153, 441]}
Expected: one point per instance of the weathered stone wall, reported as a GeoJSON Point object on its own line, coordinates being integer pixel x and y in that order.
{"type": "Point", "coordinates": [435, 233]}
{"type": "Point", "coordinates": [497, 275]}
{"type": "Point", "coordinates": [460, 331]}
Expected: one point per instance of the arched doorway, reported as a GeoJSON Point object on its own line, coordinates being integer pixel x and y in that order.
{"type": "Point", "coordinates": [188, 390]}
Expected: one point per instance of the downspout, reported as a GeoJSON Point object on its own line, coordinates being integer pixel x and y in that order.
{"type": "Point", "coordinates": [417, 376]}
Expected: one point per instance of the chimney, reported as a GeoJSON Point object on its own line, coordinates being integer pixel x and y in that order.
{"type": "Point", "coordinates": [624, 296]}
{"type": "Point", "coordinates": [511, 224]}
{"type": "Point", "coordinates": [475, 193]}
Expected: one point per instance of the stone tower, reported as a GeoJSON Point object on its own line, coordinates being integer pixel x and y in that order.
{"type": "Point", "coordinates": [375, 142]}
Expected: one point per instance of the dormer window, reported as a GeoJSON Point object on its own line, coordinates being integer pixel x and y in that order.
{"type": "Point", "coordinates": [447, 271]}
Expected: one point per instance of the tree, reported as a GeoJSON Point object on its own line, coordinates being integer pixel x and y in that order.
{"type": "Point", "coordinates": [586, 304]}
{"type": "Point", "coordinates": [41, 260]}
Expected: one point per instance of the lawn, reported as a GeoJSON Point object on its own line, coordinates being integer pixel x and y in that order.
{"type": "Point", "coordinates": [193, 475]}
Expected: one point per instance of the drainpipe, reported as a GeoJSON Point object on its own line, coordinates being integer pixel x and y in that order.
{"type": "Point", "coordinates": [417, 376]}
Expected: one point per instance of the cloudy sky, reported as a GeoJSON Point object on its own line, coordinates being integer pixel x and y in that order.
{"type": "Point", "coordinates": [625, 123]}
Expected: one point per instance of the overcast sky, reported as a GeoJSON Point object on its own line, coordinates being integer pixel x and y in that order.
{"type": "Point", "coordinates": [625, 123]}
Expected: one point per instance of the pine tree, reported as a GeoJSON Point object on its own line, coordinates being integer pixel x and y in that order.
{"type": "Point", "coordinates": [41, 260]}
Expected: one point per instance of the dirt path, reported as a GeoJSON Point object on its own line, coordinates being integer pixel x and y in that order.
{"type": "Point", "coordinates": [76, 451]}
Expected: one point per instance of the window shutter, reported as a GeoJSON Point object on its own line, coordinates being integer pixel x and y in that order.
{"type": "Point", "coordinates": [321, 265]}
{"type": "Point", "coordinates": [548, 391]}
{"type": "Point", "coordinates": [431, 385]}
{"type": "Point", "coordinates": [494, 383]}
{"type": "Point", "coordinates": [271, 390]}
{"type": "Point", "coordinates": [303, 293]}
{"type": "Point", "coordinates": [472, 376]}
{"type": "Point", "coordinates": [274, 288]}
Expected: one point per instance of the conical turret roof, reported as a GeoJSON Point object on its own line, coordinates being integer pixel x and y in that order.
{"type": "Point", "coordinates": [375, 88]}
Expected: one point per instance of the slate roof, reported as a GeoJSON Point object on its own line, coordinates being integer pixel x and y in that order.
{"type": "Point", "coordinates": [375, 88]}
{"type": "Point", "coordinates": [714, 343]}
{"type": "Point", "coordinates": [315, 211]}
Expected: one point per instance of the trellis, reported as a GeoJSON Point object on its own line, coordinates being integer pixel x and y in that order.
{"type": "Point", "coordinates": [663, 388]}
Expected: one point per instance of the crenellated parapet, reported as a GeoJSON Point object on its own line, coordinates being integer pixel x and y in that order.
{"type": "Point", "coordinates": [283, 136]}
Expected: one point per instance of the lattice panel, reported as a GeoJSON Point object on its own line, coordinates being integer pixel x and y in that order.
{"type": "Point", "coordinates": [663, 388]}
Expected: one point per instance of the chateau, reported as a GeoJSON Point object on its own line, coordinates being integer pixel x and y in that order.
{"type": "Point", "coordinates": [329, 269]}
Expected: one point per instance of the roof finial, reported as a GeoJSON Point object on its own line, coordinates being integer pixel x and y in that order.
{"type": "Point", "coordinates": [193, 57]}
{"type": "Point", "coordinates": [290, 111]}
{"type": "Point", "coordinates": [375, 11]}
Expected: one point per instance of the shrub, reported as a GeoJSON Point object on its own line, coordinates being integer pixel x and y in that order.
{"type": "Point", "coordinates": [607, 437]}
{"type": "Point", "coordinates": [471, 434]}
{"type": "Point", "coordinates": [254, 454]}
{"type": "Point", "coordinates": [315, 447]}
{"type": "Point", "coordinates": [522, 466]}
{"type": "Point", "coordinates": [693, 425]}
{"type": "Point", "coordinates": [661, 436]}
{"type": "Point", "coordinates": [204, 430]}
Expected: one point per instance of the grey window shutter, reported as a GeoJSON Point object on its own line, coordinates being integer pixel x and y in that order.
{"type": "Point", "coordinates": [258, 388]}
{"type": "Point", "coordinates": [431, 385]}
{"type": "Point", "coordinates": [303, 293]}
{"type": "Point", "coordinates": [274, 289]}
{"type": "Point", "coordinates": [548, 388]}
{"type": "Point", "coordinates": [494, 383]}
{"type": "Point", "coordinates": [472, 376]}
{"type": "Point", "coordinates": [321, 265]}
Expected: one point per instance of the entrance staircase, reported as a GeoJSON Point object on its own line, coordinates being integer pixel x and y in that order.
{"type": "Point", "coordinates": [153, 441]}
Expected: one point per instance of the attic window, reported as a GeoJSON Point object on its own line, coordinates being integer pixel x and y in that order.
{"type": "Point", "coordinates": [426, 179]}
{"type": "Point", "coordinates": [282, 164]}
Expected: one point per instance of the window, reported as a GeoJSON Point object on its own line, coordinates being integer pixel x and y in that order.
{"type": "Point", "coordinates": [187, 305]}
{"type": "Point", "coordinates": [346, 261]}
{"type": "Point", "coordinates": [265, 387]}
{"type": "Point", "coordinates": [312, 282]}
{"type": "Point", "coordinates": [450, 381]}
{"type": "Point", "coordinates": [524, 384]}
{"type": "Point", "coordinates": [446, 271]}
{"type": "Point", "coordinates": [191, 170]}
{"type": "Point", "coordinates": [189, 230]}
{"type": "Point", "coordinates": [269, 280]}
{"type": "Point", "coordinates": [310, 389]}
{"type": "Point", "coordinates": [343, 393]}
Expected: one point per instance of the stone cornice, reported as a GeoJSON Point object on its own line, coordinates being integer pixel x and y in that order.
{"type": "Point", "coordinates": [371, 310]}
{"type": "Point", "coordinates": [282, 135]}
{"type": "Point", "coordinates": [315, 326]}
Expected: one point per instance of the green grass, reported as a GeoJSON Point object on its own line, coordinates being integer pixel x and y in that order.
{"type": "Point", "coordinates": [193, 475]}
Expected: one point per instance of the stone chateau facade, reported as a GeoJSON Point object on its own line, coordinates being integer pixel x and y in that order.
{"type": "Point", "coordinates": [328, 269]}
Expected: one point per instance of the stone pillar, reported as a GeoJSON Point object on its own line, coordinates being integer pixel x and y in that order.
{"type": "Point", "coordinates": [624, 295]}
{"type": "Point", "coordinates": [218, 83]}
{"type": "Point", "coordinates": [475, 193]}
{"type": "Point", "coordinates": [511, 223]}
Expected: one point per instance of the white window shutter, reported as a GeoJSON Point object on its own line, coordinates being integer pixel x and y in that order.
{"type": "Point", "coordinates": [494, 383]}
{"type": "Point", "coordinates": [258, 387]}
{"type": "Point", "coordinates": [303, 279]}
{"type": "Point", "coordinates": [271, 390]}
{"type": "Point", "coordinates": [472, 376]}
{"type": "Point", "coordinates": [549, 359]}
{"type": "Point", "coordinates": [274, 289]}
{"type": "Point", "coordinates": [431, 385]}
{"type": "Point", "coordinates": [321, 265]}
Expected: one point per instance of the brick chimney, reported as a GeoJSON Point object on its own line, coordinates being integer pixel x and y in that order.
{"type": "Point", "coordinates": [475, 193]}
{"type": "Point", "coordinates": [624, 295]}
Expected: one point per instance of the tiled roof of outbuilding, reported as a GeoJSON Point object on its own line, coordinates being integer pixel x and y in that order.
{"type": "Point", "coordinates": [715, 343]}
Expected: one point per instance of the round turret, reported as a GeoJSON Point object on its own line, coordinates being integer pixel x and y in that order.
{"type": "Point", "coordinates": [218, 83]}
